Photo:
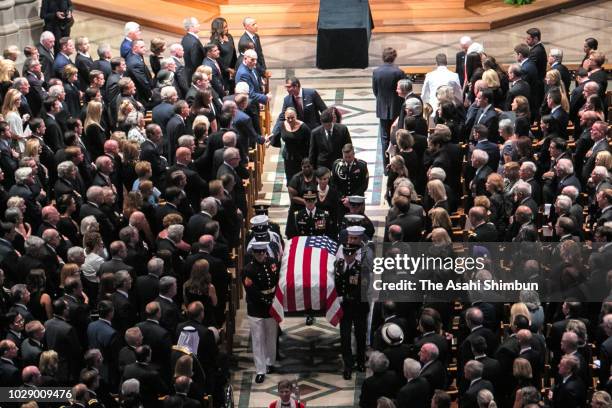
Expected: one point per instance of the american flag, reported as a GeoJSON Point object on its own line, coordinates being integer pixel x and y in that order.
{"type": "Point", "coordinates": [307, 278]}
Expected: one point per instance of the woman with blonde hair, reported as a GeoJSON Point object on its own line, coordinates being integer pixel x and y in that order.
{"type": "Point", "coordinates": [95, 134]}
{"type": "Point", "coordinates": [397, 169]}
{"type": "Point", "coordinates": [33, 149]}
{"type": "Point", "coordinates": [552, 79]}
{"type": "Point", "coordinates": [72, 102]}
{"type": "Point", "coordinates": [48, 366]}
{"type": "Point", "coordinates": [520, 107]}
{"type": "Point", "coordinates": [604, 158]}
{"type": "Point", "coordinates": [438, 218]}
{"type": "Point", "coordinates": [157, 48]}
{"type": "Point", "coordinates": [125, 107]}
{"type": "Point", "coordinates": [440, 236]}
{"type": "Point", "coordinates": [517, 309]}
{"type": "Point", "coordinates": [437, 192]}
{"type": "Point", "coordinates": [522, 372]}
{"type": "Point", "coordinates": [485, 399]}
{"type": "Point", "coordinates": [491, 78]}
{"type": "Point", "coordinates": [10, 111]}
{"type": "Point", "coordinates": [7, 73]}
{"type": "Point", "coordinates": [601, 399]}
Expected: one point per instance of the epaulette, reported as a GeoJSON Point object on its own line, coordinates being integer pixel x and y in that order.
{"type": "Point", "coordinates": [92, 401]}
{"type": "Point", "coordinates": [182, 349]}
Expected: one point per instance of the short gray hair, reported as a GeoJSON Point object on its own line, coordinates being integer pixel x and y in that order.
{"type": "Point", "coordinates": [506, 126]}
{"type": "Point", "coordinates": [103, 49]}
{"type": "Point", "coordinates": [601, 171]}
{"type": "Point", "coordinates": [190, 22]}
{"type": "Point", "coordinates": [405, 85]}
{"type": "Point", "coordinates": [481, 156]}
{"type": "Point", "coordinates": [22, 173]}
{"type": "Point", "coordinates": [378, 362]}
{"type": "Point", "coordinates": [166, 61]}
{"type": "Point", "coordinates": [65, 168]}
{"type": "Point", "coordinates": [19, 81]}
{"type": "Point", "coordinates": [242, 88]}
{"type": "Point", "coordinates": [411, 368]}
{"type": "Point", "coordinates": [74, 252]}
{"type": "Point", "coordinates": [121, 277]}
{"type": "Point", "coordinates": [87, 222]}
{"type": "Point", "coordinates": [55, 91]}
{"type": "Point", "coordinates": [174, 48]}
{"type": "Point", "coordinates": [566, 165]}
{"type": "Point", "coordinates": [522, 187]}
{"type": "Point", "coordinates": [414, 105]}
{"type": "Point", "coordinates": [230, 151]}
{"type": "Point", "coordinates": [94, 192]}
{"type": "Point", "coordinates": [475, 368]}
{"type": "Point", "coordinates": [155, 266]}
{"type": "Point", "coordinates": [209, 204]}
{"type": "Point", "coordinates": [185, 140]}
{"type": "Point", "coordinates": [175, 232]}
{"type": "Point", "coordinates": [563, 202]}
{"type": "Point", "coordinates": [529, 165]}
{"type": "Point", "coordinates": [46, 35]}
{"type": "Point", "coordinates": [166, 283]}
{"type": "Point", "coordinates": [437, 173]}
{"type": "Point", "coordinates": [557, 54]}
{"type": "Point", "coordinates": [130, 27]}
{"type": "Point", "coordinates": [571, 191]}
{"type": "Point", "coordinates": [130, 387]}
{"type": "Point", "coordinates": [167, 92]}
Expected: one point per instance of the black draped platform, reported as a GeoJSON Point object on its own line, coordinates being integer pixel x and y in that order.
{"type": "Point", "coordinates": [343, 34]}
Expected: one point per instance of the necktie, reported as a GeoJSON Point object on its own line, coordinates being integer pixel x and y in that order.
{"type": "Point", "coordinates": [299, 105]}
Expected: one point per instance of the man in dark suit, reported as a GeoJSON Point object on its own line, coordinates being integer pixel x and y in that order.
{"type": "Point", "coordinates": [553, 100]}
{"type": "Point", "coordinates": [597, 73]}
{"type": "Point", "coordinates": [570, 391]}
{"type": "Point", "coordinates": [58, 17]}
{"type": "Point", "coordinates": [46, 53]}
{"type": "Point", "coordinates": [62, 58]}
{"type": "Point", "coordinates": [388, 102]}
{"type": "Point", "coordinates": [170, 311]}
{"type": "Point", "coordinates": [433, 370]}
{"type": "Point", "coordinates": [146, 287]}
{"type": "Point", "coordinates": [566, 175]}
{"type": "Point", "coordinates": [474, 321]}
{"type": "Point", "coordinates": [181, 395]}
{"type": "Point", "coordinates": [192, 46]}
{"type": "Point", "coordinates": [247, 72]}
{"type": "Point", "coordinates": [518, 86]}
{"type": "Point", "coordinates": [37, 94]}
{"type": "Point", "coordinates": [484, 142]}
{"type": "Point", "coordinates": [427, 327]}
{"type": "Point", "coordinates": [417, 391]}
{"type": "Point", "coordinates": [473, 373]}
{"type": "Point", "coordinates": [196, 187]}
{"type": "Point", "coordinates": [537, 52]}
{"type": "Point", "coordinates": [53, 133]}
{"type": "Point", "coordinates": [197, 223]}
{"type": "Point", "coordinates": [62, 337]}
{"type": "Point", "coordinates": [177, 53]}
{"type": "Point", "coordinates": [491, 368]}
{"type": "Point", "coordinates": [151, 152]}
{"type": "Point", "coordinates": [464, 43]}
{"type": "Point", "coordinates": [118, 252]}
{"type": "Point", "coordinates": [175, 128]}
{"type": "Point", "coordinates": [605, 352]}
{"type": "Point", "coordinates": [103, 63]}
{"type": "Point", "coordinates": [531, 75]}
{"type": "Point", "coordinates": [151, 384]}
{"type": "Point", "coordinates": [327, 140]}
{"type": "Point", "coordinates": [410, 224]}
{"type": "Point", "coordinates": [95, 198]}
{"type": "Point", "coordinates": [250, 35]}
{"type": "Point", "coordinates": [132, 33]}
{"type": "Point", "coordinates": [9, 372]}
{"type": "Point", "coordinates": [555, 59]}
{"type": "Point", "coordinates": [483, 231]}
{"type": "Point", "coordinates": [600, 143]}
{"type": "Point", "coordinates": [231, 165]}
{"type": "Point", "coordinates": [212, 55]}
{"type": "Point", "coordinates": [139, 72]}
{"type": "Point", "coordinates": [165, 110]}
{"type": "Point", "coordinates": [248, 136]}
{"type": "Point", "coordinates": [307, 103]}
{"type": "Point", "coordinates": [158, 338]}
{"type": "Point", "coordinates": [102, 336]}
{"type": "Point", "coordinates": [32, 346]}
{"type": "Point", "coordinates": [125, 312]}
{"type": "Point", "coordinates": [112, 90]}
{"type": "Point", "coordinates": [404, 91]}
{"type": "Point", "coordinates": [485, 115]}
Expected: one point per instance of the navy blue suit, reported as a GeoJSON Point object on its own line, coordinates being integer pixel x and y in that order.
{"type": "Point", "coordinates": [562, 119]}
{"type": "Point", "coordinates": [140, 74]}
{"type": "Point", "coordinates": [162, 114]}
{"type": "Point", "coordinates": [388, 102]}
{"type": "Point", "coordinates": [194, 54]}
{"type": "Point", "coordinates": [58, 65]}
{"type": "Point", "coordinates": [104, 66]}
{"type": "Point", "coordinates": [311, 114]}
{"type": "Point", "coordinates": [104, 337]}
{"type": "Point", "coordinates": [126, 47]}
{"type": "Point", "coordinates": [530, 74]}
{"type": "Point", "coordinates": [247, 135]}
{"type": "Point", "coordinates": [261, 61]}
{"type": "Point", "coordinates": [217, 76]}
{"type": "Point", "coordinates": [492, 150]}
{"type": "Point", "coordinates": [244, 74]}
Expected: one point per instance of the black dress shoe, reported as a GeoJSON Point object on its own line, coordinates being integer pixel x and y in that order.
{"type": "Point", "coordinates": [269, 369]}
{"type": "Point", "coordinates": [260, 378]}
{"type": "Point", "coordinates": [309, 320]}
{"type": "Point", "coordinates": [347, 374]}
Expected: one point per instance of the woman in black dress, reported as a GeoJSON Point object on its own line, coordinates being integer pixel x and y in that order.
{"type": "Point", "coordinates": [71, 88]}
{"type": "Point", "coordinates": [328, 198]}
{"type": "Point", "coordinates": [412, 161]}
{"type": "Point", "coordinates": [158, 46]}
{"type": "Point", "coordinates": [296, 136]}
{"type": "Point", "coordinates": [67, 226]}
{"type": "Point", "coordinates": [40, 302]}
{"type": "Point", "coordinates": [298, 185]}
{"type": "Point", "coordinates": [223, 39]}
{"type": "Point", "coordinates": [199, 288]}
{"type": "Point", "coordinates": [95, 135]}
{"type": "Point", "coordinates": [397, 169]}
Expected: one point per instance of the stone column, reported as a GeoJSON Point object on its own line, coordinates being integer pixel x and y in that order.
{"type": "Point", "coordinates": [9, 30]}
{"type": "Point", "coordinates": [28, 20]}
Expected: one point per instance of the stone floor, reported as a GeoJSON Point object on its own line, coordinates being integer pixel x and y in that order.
{"type": "Point", "coordinates": [312, 352]}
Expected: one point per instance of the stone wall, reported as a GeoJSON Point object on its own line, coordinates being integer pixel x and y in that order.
{"type": "Point", "coordinates": [19, 23]}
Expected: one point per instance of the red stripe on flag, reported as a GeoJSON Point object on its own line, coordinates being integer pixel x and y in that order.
{"type": "Point", "coordinates": [290, 291]}
{"type": "Point", "coordinates": [323, 278]}
{"type": "Point", "coordinates": [330, 300]}
{"type": "Point", "coordinates": [306, 270]}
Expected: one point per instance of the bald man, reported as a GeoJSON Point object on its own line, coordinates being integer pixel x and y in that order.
{"type": "Point", "coordinates": [196, 187]}
{"type": "Point", "coordinates": [158, 338]}
{"type": "Point", "coordinates": [50, 217]}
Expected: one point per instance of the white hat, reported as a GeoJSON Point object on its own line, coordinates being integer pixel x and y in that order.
{"type": "Point", "coordinates": [355, 230]}
{"type": "Point", "coordinates": [259, 220]}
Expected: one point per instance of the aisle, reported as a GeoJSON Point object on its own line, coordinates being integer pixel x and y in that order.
{"type": "Point", "coordinates": [312, 353]}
